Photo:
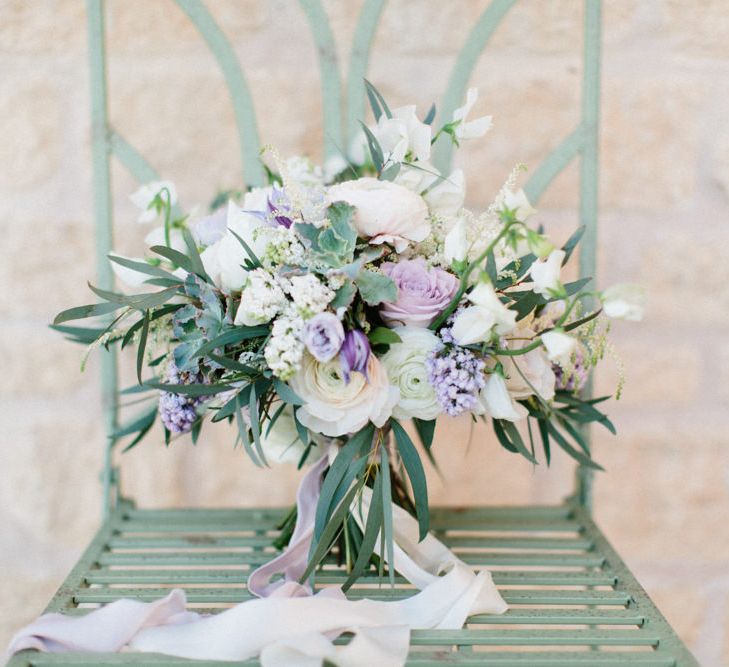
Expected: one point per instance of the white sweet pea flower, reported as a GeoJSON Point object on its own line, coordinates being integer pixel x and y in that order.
{"type": "Point", "coordinates": [497, 403]}
{"type": "Point", "coordinates": [559, 345]}
{"type": "Point", "coordinates": [455, 244]}
{"type": "Point", "coordinates": [157, 237]}
{"type": "Point", "coordinates": [545, 273]}
{"type": "Point", "coordinates": [474, 128]}
{"type": "Point", "coordinates": [484, 296]}
{"type": "Point", "coordinates": [624, 301]}
{"type": "Point", "coordinates": [518, 201]}
{"type": "Point", "coordinates": [224, 259]}
{"type": "Point", "coordinates": [146, 194]}
{"type": "Point", "coordinates": [446, 197]}
{"type": "Point", "coordinates": [473, 325]}
{"type": "Point", "coordinates": [130, 277]}
{"type": "Point", "coordinates": [403, 134]}
{"type": "Point", "coordinates": [488, 316]}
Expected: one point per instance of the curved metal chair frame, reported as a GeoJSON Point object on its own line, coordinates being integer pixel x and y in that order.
{"type": "Point", "coordinates": [572, 600]}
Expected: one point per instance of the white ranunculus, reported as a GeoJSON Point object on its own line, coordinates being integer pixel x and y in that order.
{"type": "Point", "coordinates": [485, 296]}
{"type": "Point", "coordinates": [624, 301]}
{"type": "Point", "coordinates": [519, 202]}
{"type": "Point", "coordinates": [403, 134]}
{"type": "Point", "coordinates": [334, 407]}
{"type": "Point", "coordinates": [497, 402]}
{"type": "Point", "coordinates": [560, 346]}
{"type": "Point", "coordinates": [455, 244]}
{"type": "Point", "coordinates": [281, 444]}
{"type": "Point", "coordinates": [536, 369]}
{"type": "Point", "coordinates": [545, 273]}
{"type": "Point", "coordinates": [474, 128]}
{"type": "Point", "coordinates": [446, 197]}
{"type": "Point", "coordinates": [223, 261]}
{"type": "Point", "coordinates": [145, 195]}
{"type": "Point", "coordinates": [405, 364]}
{"type": "Point", "coordinates": [385, 212]}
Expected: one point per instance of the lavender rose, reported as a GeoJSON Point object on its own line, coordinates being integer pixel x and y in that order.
{"type": "Point", "coordinates": [323, 335]}
{"type": "Point", "coordinates": [422, 293]}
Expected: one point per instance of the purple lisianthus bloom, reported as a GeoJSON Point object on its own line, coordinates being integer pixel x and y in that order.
{"type": "Point", "coordinates": [354, 353]}
{"type": "Point", "coordinates": [279, 207]}
{"type": "Point", "coordinates": [323, 335]}
{"type": "Point", "coordinates": [422, 293]}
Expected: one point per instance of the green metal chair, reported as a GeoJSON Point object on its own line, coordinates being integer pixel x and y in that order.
{"type": "Point", "coordinates": [572, 599]}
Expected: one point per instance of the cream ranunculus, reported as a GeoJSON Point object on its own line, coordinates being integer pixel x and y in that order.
{"type": "Point", "coordinates": [334, 407]}
{"type": "Point", "coordinates": [624, 302]}
{"type": "Point", "coordinates": [405, 364]}
{"type": "Point", "coordinates": [385, 212]}
{"type": "Point", "coordinates": [281, 444]}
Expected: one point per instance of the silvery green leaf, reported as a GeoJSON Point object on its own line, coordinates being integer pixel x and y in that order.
{"type": "Point", "coordinates": [375, 287]}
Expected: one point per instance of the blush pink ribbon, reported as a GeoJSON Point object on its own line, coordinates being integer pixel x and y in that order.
{"type": "Point", "coordinates": [289, 624]}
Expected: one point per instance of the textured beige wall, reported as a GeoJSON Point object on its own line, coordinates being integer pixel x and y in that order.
{"type": "Point", "coordinates": [665, 212]}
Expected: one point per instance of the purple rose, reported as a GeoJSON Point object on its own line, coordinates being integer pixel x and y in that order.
{"type": "Point", "coordinates": [355, 353]}
{"type": "Point", "coordinates": [323, 335]}
{"type": "Point", "coordinates": [422, 293]}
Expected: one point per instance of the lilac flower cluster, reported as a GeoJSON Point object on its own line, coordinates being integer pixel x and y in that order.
{"type": "Point", "coordinates": [457, 376]}
{"type": "Point", "coordinates": [574, 376]}
{"type": "Point", "coordinates": [446, 332]}
{"type": "Point", "coordinates": [178, 412]}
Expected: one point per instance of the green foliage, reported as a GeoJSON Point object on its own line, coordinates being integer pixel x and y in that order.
{"type": "Point", "coordinates": [375, 287]}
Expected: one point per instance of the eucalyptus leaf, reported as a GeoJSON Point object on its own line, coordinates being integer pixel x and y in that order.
{"type": "Point", "coordinates": [414, 468]}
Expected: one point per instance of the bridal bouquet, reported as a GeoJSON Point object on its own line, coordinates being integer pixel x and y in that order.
{"type": "Point", "coordinates": [321, 313]}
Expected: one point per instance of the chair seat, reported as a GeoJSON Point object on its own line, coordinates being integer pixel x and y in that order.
{"type": "Point", "coordinates": [572, 599]}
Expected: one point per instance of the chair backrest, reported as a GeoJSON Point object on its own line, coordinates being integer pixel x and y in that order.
{"type": "Point", "coordinates": [341, 111]}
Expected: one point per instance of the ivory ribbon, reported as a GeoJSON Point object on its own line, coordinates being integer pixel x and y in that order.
{"type": "Point", "coordinates": [289, 625]}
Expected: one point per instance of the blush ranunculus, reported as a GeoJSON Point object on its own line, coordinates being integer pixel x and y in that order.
{"type": "Point", "coordinates": [385, 212]}
{"type": "Point", "coordinates": [422, 293]}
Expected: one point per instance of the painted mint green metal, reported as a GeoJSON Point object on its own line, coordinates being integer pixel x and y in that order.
{"type": "Point", "coordinates": [573, 602]}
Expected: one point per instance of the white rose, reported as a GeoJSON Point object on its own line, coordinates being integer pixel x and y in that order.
{"type": "Point", "coordinates": [402, 134]}
{"type": "Point", "coordinates": [223, 261]}
{"type": "Point", "coordinates": [624, 301]}
{"type": "Point", "coordinates": [385, 212]}
{"type": "Point", "coordinates": [474, 128]}
{"type": "Point", "coordinates": [405, 364]}
{"type": "Point", "coordinates": [560, 346]}
{"type": "Point", "coordinates": [535, 367]}
{"type": "Point", "coordinates": [446, 197]}
{"type": "Point", "coordinates": [146, 194]}
{"type": "Point", "coordinates": [334, 407]}
{"type": "Point", "coordinates": [281, 444]}
{"type": "Point", "coordinates": [545, 273]}
{"type": "Point", "coordinates": [455, 244]}
{"type": "Point", "coordinates": [497, 403]}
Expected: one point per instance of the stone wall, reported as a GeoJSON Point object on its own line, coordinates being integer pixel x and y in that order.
{"type": "Point", "coordinates": [664, 195]}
